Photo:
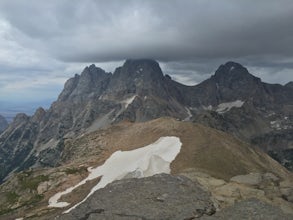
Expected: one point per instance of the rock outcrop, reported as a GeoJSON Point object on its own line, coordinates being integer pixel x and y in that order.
{"type": "Point", "coordinates": [158, 197]}
{"type": "Point", "coordinates": [265, 187]}
{"type": "Point", "coordinates": [250, 209]}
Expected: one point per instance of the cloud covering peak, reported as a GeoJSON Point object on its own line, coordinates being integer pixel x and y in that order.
{"type": "Point", "coordinates": [189, 37]}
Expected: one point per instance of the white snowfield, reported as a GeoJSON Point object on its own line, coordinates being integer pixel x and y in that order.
{"type": "Point", "coordinates": [226, 106]}
{"type": "Point", "coordinates": [142, 162]}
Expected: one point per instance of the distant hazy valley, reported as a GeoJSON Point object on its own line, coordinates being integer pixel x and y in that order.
{"type": "Point", "coordinates": [10, 109]}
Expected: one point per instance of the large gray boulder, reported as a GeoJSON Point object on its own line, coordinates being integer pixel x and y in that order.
{"type": "Point", "coordinates": [161, 196]}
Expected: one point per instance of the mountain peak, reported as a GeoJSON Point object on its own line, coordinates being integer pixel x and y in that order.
{"type": "Point", "coordinates": [141, 61]}
{"type": "Point", "coordinates": [233, 72]}
{"type": "Point", "coordinates": [92, 71]}
{"type": "Point", "coordinates": [20, 118]}
{"type": "Point", "coordinates": [89, 81]}
{"type": "Point", "coordinates": [142, 66]}
{"type": "Point", "coordinates": [289, 84]}
{"type": "Point", "coordinates": [231, 67]}
{"type": "Point", "coordinates": [135, 70]}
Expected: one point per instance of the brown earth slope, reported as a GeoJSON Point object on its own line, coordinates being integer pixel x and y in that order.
{"type": "Point", "coordinates": [206, 149]}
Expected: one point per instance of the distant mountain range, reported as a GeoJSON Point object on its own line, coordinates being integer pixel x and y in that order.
{"type": "Point", "coordinates": [231, 100]}
{"type": "Point", "coordinates": [3, 123]}
{"type": "Point", "coordinates": [10, 109]}
{"type": "Point", "coordinates": [225, 127]}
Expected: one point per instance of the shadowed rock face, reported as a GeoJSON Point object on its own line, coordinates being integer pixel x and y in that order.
{"type": "Point", "coordinates": [138, 91]}
{"type": "Point", "coordinates": [158, 197]}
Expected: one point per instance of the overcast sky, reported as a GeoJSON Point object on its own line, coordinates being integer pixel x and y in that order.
{"type": "Point", "coordinates": [43, 43]}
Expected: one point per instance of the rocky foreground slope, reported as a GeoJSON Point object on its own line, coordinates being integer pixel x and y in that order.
{"type": "Point", "coordinates": [166, 197]}
{"type": "Point", "coordinates": [231, 100]}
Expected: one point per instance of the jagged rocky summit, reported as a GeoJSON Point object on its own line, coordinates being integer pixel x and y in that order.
{"type": "Point", "coordinates": [231, 100]}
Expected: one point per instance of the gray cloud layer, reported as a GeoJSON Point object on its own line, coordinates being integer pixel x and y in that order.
{"type": "Point", "coordinates": [94, 31]}
{"type": "Point", "coordinates": [190, 37]}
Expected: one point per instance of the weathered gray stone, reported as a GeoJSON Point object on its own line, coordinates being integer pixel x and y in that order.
{"type": "Point", "coordinates": [253, 179]}
{"type": "Point", "coordinates": [158, 197]}
{"type": "Point", "coordinates": [250, 209]}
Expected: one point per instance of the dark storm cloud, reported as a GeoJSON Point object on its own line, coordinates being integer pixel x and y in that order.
{"type": "Point", "coordinates": [190, 38]}
{"type": "Point", "coordinates": [93, 31]}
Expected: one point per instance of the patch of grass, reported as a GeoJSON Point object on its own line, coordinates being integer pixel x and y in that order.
{"type": "Point", "coordinates": [74, 170]}
{"type": "Point", "coordinates": [5, 211]}
{"type": "Point", "coordinates": [12, 197]}
{"type": "Point", "coordinates": [28, 182]}
{"type": "Point", "coordinates": [33, 200]}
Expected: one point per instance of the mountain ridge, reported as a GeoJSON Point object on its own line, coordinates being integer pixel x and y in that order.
{"type": "Point", "coordinates": [139, 91]}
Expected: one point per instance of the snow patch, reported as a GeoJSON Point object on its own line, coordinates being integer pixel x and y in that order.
{"type": "Point", "coordinates": [139, 70]}
{"type": "Point", "coordinates": [276, 125]}
{"type": "Point", "coordinates": [232, 68]}
{"type": "Point", "coordinates": [128, 101]}
{"type": "Point", "coordinates": [217, 86]}
{"type": "Point", "coordinates": [209, 108]}
{"type": "Point", "coordinates": [280, 124]}
{"type": "Point", "coordinates": [189, 115]}
{"type": "Point", "coordinates": [226, 106]}
{"type": "Point", "coordinates": [142, 162]}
